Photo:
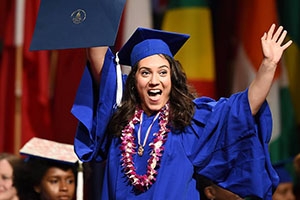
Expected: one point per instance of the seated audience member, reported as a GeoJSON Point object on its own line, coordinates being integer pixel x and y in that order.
{"type": "Point", "coordinates": [50, 171]}
{"type": "Point", "coordinates": [8, 165]}
{"type": "Point", "coordinates": [284, 190]}
{"type": "Point", "coordinates": [208, 190]}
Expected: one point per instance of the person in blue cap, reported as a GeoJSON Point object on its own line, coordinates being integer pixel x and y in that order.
{"type": "Point", "coordinates": [158, 134]}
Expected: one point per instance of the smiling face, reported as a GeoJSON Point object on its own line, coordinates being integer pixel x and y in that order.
{"type": "Point", "coordinates": [153, 82]}
{"type": "Point", "coordinates": [57, 184]}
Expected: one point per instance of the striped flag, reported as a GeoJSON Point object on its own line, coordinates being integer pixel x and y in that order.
{"type": "Point", "coordinates": [251, 26]}
{"type": "Point", "coordinates": [255, 18]}
{"type": "Point", "coordinates": [286, 144]}
{"type": "Point", "coordinates": [197, 55]}
{"type": "Point", "coordinates": [289, 13]}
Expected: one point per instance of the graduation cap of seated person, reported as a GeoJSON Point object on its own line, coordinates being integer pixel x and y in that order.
{"type": "Point", "coordinates": [64, 24]}
{"type": "Point", "coordinates": [146, 42]}
{"type": "Point", "coordinates": [49, 152]}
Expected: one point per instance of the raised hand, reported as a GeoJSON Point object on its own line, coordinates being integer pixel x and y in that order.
{"type": "Point", "coordinates": [272, 44]}
{"type": "Point", "coordinates": [272, 49]}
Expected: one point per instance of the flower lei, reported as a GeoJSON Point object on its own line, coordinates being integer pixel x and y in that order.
{"type": "Point", "coordinates": [128, 149]}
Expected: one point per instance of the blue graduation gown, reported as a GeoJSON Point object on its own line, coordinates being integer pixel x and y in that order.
{"type": "Point", "coordinates": [224, 143]}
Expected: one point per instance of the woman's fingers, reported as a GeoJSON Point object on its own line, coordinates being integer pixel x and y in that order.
{"type": "Point", "coordinates": [286, 45]}
{"type": "Point", "coordinates": [277, 33]}
{"type": "Point", "coordinates": [270, 32]}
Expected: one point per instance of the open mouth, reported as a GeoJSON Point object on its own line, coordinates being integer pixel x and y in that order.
{"type": "Point", "coordinates": [154, 92]}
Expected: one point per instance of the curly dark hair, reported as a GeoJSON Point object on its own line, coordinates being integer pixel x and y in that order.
{"type": "Point", "coordinates": [181, 100]}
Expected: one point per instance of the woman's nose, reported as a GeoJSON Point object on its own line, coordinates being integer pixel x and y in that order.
{"type": "Point", "coordinates": [154, 79]}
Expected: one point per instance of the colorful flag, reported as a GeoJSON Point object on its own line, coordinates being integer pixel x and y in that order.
{"type": "Point", "coordinates": [289, 13]}
{"type": "Point", "coordinates": [197, 55]}
{"type": "Point", "coordinates": [255, 18]}
{"type": "Point", "coordinates": [252, 23]}
{"type": "Point", "coordinates": [286, 144]}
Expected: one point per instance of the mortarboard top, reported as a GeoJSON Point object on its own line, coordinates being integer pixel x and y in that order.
{"type": "Point", "coordinates": [145, 42]}
{"type": "Point", "coordinates": [63, 24]}
{"type": "Point", "coordinates": [50, 150]}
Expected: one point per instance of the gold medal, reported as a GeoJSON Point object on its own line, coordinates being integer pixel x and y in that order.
{"type": "Point", "coordinates": [140, 150]}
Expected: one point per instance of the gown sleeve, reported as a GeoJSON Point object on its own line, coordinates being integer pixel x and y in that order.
{"type": "Point", "coordinates": [232, 145]}
{"type": "Point", "coordinates": [93, 109]}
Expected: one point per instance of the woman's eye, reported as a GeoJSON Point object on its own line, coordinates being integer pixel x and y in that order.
{"type": "Point", "coordinates": [164, 72]}
{"type": "Point", "coordinates": [145, 73]}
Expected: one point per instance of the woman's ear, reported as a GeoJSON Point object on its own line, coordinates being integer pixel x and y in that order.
{"type": "Point", "coordinates": [210, 192]}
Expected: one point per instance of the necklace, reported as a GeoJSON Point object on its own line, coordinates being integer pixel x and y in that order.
{"type": "Point", "coordinates": [141, 146]}
{"type": "Point", "coordinates": [143, 182]}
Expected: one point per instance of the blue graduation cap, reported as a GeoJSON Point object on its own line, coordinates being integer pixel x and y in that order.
{"type": "Point", "coordinates": [64, 24]}
{"type": "Point", "coordinates": [146, 42]}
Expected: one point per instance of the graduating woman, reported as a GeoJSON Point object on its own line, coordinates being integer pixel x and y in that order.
{"type": "Point", "coordinates": [159, 134]}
